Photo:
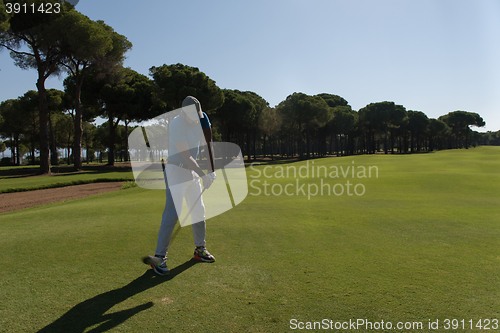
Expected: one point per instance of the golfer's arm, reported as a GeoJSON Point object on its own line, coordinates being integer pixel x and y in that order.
{"type": "Point", "coordinates": [183, 149]}
{"type": "Point", "coordinates": [208, 138]}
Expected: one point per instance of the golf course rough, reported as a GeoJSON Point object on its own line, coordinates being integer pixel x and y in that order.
{"type": "Point", "coordinates": [421, 245]}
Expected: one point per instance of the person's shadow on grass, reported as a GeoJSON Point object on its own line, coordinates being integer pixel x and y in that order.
{"type": "Point", "coordinates": [92, 311]}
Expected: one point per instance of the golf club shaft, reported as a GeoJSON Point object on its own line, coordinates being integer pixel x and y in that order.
{"type": "Point", "coordinates": [178, 226]}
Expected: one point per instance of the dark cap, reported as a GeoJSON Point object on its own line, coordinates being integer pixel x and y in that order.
{"type": "Point", "coordinates": [190, 111]}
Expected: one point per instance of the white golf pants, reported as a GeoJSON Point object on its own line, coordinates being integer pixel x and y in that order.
{"type": "Point", "coordinates": [181, 184]}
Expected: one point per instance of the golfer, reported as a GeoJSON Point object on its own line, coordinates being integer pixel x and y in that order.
{"type": "Point", "coordinates": [183, 176]}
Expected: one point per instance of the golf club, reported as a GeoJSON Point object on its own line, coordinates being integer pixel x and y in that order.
{"type": "Point", "coordinates": [178, 226]}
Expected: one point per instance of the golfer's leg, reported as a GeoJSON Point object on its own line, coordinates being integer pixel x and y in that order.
{"type": "Point", "coordinates": [168, 221]}
{"type": "Point", "coordinates": [173, 206]}
{"type": "Point", "coordinates": [195, 200]}
{"type": "Point", "coordinates": [199, 233]}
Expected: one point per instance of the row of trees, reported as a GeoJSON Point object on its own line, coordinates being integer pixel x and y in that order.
{"type": "Point", "coordinates": [97, 84]}
{"type": "Point", "coordinates": [61, 41]}
{"type": "Point", "coordinates": [19, 125]}
{"type": "Point", "coordinates": [301, 125]}
{"type": "Point", "coordinates": [325, 124]}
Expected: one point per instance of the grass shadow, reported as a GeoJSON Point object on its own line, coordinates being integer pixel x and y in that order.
{"type": "Point", "coordinates": [61, 171]}
{"type": "Point", "coordinates": [91, 312]}
{"type": "Point", "coordinates": [18, 172]}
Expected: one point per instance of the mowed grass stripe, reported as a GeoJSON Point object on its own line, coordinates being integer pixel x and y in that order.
{"type": "Point", "coordinates": [9, 184]}
{"type": "Point", "coordinates": [421, 243]}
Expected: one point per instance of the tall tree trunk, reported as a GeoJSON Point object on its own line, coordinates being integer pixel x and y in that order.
{"type": "Point", "coordinates": [412, 139]}
{"type": "Point", "coordinates": [18, 155]}
{"type": "Point", "coordinates": [77, 150]}
{"type": "Point", "coordinates": [264, 147]}
{"type": "Point", "coordinates": [308, 143]}
{"type": "Point", "coordinates": [111, 154]}
{"type": "Point", "coordinates": [249, 154]}
{"type": "Point", "coordinates": [331, 144]}
{"type": "Point", "coordinates": [392, 142]}
{"type": "Point", "coordinates": [53, 154]}
{"type": "Point", "coordinates": [12, 149]}
{"type": "Point", "coordinates": [254, 145]}
{"type": "Point", "coordinates": [400, 144]}
{"type": "Point", "coordinates": [33, 147]}
{"type": "Point", "coordinates": [466, 137]}
{"type": "Point", "coordinates": [300, 141]}
{"type": "Point", "coordinates": [271, 143]}
{"type": "Point", "coordinates": [127, 157]}
{"type": "Point", "coordinates": [44, 132]}
{"type": "Point", "coordinates": [68, 148]}
{"type": "Point", "coordinates": [385, 142]}
{"type": "Point", "coordinates": [228, 134]}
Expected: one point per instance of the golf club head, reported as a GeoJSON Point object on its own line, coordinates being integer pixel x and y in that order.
{"type": "Point", "coordinates": [150, 260]}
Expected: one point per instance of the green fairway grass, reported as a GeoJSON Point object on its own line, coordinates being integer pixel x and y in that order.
{"type": "Point", "coordinates": [24, 167]}
{"type": "Point", "coordinates": [422, 243]}
{"type": "Point", "coordinates": [19, 183]}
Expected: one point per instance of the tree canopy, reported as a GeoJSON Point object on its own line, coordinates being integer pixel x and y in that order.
{"type": "Point", "coordinates": [87, 43]}
{"type": "Point", "coordinates": [460, 121]}
{"type": "Point", "coordinates": [42, 34]}
{"type": "Point", "coordinates": [175, 82]}
{"type": "Point", "coordinates": [4, 17]}
{"type": "Point", "coordinates": [305, 112]}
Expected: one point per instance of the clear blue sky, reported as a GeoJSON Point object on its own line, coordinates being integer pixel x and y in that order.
{"type": "Point", "coordinates": [434, 56]}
